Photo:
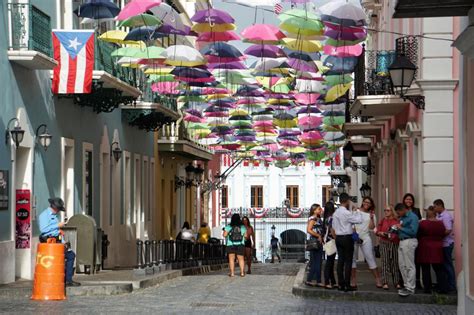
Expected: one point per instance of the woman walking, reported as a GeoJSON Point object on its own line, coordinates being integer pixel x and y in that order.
{"type": "Point", "coordinates": [365, 244]}
{"type": "Point", "coordinates": [430, 251]}
{"type": "Point", "coordinates": [235, 235]}
{"type": "Point", "coordinates": [329, 236]}
{"type": "Point", "coordinates": [249, 243]}
{"type": "Point", "coordinates": [314, 229]}
{"type": "Point", "coordinates": [389, 248]}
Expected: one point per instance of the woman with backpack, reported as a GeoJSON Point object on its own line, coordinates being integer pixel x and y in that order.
{"type": "Point", "coordinates": [235, 235]}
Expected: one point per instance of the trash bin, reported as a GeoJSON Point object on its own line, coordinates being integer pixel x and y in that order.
{"type": "Point", "coordinates": [86, 253]}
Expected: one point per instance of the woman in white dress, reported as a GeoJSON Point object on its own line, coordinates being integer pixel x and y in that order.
{"type": "Point", "coordinates": [365, 244]}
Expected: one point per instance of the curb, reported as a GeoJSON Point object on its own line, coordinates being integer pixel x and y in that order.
{"type": "Point", "coordinates": [299, 289]}
{"type": "Point", "coordinates": [103, 288]}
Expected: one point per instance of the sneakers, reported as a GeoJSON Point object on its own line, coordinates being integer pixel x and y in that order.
{"type": "Point", "coordinates": [405, 292]}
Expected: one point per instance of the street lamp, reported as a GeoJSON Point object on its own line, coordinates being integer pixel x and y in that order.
{"type": "Point", "coordinates": [348, 150]}
{"type": "Point", "coordinates": [402, 72]}
{"type": "Point", "coordinates": [16, 133]}
{"type": "Point", "coordinates": [43, 138]}
{"type": "Point", "coordinates": [365, 190]}
{"type": "Point", "coordinates": [198, 174]}
{"type": "Point", "coordinates": [115, 152]}
{"type": "Point", "coordinates": [189, 172]}
{"type": "Point", "coordinates": [273, 229]}
{"type": "Point", "coordinates": [341, 187]}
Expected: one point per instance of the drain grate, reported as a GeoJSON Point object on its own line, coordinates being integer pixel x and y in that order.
{"type": "Point", "coordinates": [207, 304]}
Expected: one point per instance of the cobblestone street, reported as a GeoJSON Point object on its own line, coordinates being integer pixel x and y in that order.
{"type": "Point", "coordinates": [266, 291]}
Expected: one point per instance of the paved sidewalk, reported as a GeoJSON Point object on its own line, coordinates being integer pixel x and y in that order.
{"type": "Point", "coordinates": [268, 290]}
{"type": "Point", "coordinates": [367, 291]}
{"type": "Point", "coordinates": [109, 282]}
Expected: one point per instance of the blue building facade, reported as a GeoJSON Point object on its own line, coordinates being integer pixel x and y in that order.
{"type": "Point", "coordinates": [78, 166]}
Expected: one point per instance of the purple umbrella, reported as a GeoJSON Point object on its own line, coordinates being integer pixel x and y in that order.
{"type": "Point", "coordinates": [266, 51]}
{"type": "Point", "coordinates": [339, 35]}
{"type": "Point", "coordinates": [170, 29]}
{"type": "Point", "coordinates": [302, 65]}
{"type": "Point", "coordinates": [212, 16]}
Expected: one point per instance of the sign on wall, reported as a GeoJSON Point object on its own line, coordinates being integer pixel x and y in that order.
{"type": "Point", "coordinates": [3, 190]}
{"type": "Point", "coordinates": [23, 219]}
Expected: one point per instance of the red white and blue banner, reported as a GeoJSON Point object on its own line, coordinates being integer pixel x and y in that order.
{"type": "Point", "coordinates": [294, 212]}
{"type": "Point", "coordinates": [74, 52]}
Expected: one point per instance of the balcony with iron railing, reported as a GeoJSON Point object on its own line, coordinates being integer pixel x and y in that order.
{"type": "Point", "coordinates": [29, 33]}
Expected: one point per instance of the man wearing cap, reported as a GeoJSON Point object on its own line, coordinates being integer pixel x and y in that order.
{"type": "Point", "coordinates": [50, 226]}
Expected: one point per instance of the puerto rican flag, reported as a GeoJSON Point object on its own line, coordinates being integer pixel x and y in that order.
{"type": "Point", "coordinates": [74, 52]}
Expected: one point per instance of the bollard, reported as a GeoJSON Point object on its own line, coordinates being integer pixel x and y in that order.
{"type": "Point", "coordinates": [154, 252]}
{"type": "Point", "coordinates": [48, 283]}
{"type": "Point", "coordinates": [147, 253]}
{"type": "Point", "coordinates": [140, 254]}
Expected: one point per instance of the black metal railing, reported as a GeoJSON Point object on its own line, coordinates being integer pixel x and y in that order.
{"type": "Point", "coordinates": [30, 28]}
{"type": "Point", "coordinates": [179, 253]}
{"type": "Point", "coordinates": [371, 75]}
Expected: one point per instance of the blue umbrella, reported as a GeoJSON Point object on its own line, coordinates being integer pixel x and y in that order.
{"type": "Point", "coordinates": [339, 65]}
{"type": "Point", "coordinates": [187, 72]}
{"type": "Point", "coordinates": [97, 9]}
{"type": "Point", "coordinates": [144, 33]}
{"type": "Point", "coordinates": [224, 50]}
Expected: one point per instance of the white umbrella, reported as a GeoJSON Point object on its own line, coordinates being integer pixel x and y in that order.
{"type": "Point", "coordinates": [309, 86]}
{"type": "Point", "coordinates": [266, 64]}
{"type": "Point", "coordinates": [342, 12]}
{"type": "Point", "coordinates": [181, 55]}
{"type": "Point", "coordinates": [168, 16]}
{"type": "Point", "coordinates": [87, 20]}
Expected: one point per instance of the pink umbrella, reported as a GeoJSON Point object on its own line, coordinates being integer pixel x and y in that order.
{"type": "Point", "coordinates": [310, 121]}
{"type": "Point", "coordinates": [136, 7]}
{"type": "Point", "coordinates": [307, 98]}
{"type": "Point", "coordinates": [343, 51]}
{"type": "Point", "coordinates": [186, 79]}
{"type": "Point", "coordinates": [192, 118]}
{"type": "Point", "coordinates": [210, 90]}
{"type": "Point", "coordinates": [217, 36]}
{"type": "Point", "coordinates": [311, 135]}
{"type": "Point", "coordinates": [263, 124]}
{"type": "Point", "coordinates": [217, 59]}
{"type": "Point", "coordinates": [262, 32]}
{"type": "Point", "coordinates": [165, 87]}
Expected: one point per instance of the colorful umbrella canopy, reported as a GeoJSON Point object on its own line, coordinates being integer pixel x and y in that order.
{"type": "Point", "coordinates": [259, 33]}
{"type": "Point", "coordinates": [301, 22]}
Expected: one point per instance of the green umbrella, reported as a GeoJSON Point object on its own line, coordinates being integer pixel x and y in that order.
{"type": "Point", "coordinates": [125, 52]}
{"type": "Point", "coordinates": [140, 20]}
{"type": "Point", "coordinates": [195, 126]}
{"type": "Point", "coordinates": [161, 78]}
{"type": "Point", "coordinates": [151, 52]}
{"type": "Point", "coordinates": [338, 79]}
{"type": "Point", "coordinates": [302, 22]}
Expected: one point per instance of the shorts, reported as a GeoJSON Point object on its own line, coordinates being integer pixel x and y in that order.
{"type": "Point", "coordinates": [248, 243]}
{"type": "Point", "coordinates": [236, 249]}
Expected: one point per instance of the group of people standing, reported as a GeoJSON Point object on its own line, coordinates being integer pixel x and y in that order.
{"type": "Point", "coordinates": [407, 245]}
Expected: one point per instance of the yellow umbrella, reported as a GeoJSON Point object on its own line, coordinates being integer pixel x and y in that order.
{"type": "Point", "coordinates": [238, 112]}
{"type": "Point", "coordinates": [337, 91]}
{"type": "Point", "coordinates": [206, 27]}
{"type": "Point", "coordinates": [276, 101]}
{"type": "Point", "coordinates": [216, 96]}
{"type": "Point", "coordinates": [117, 37]}
{"type": "Point", "coordinates": [158, 71]}
{"type": "Point", "coordinates": [308, 46]}
{"type": "Point", "coordinates": [296, 150]}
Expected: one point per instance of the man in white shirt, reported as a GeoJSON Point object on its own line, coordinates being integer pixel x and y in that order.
{"type": "Point", "coordinates": [343, 221]}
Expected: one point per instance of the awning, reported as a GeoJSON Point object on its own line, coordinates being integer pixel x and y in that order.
{"type": "Point", "coordinates": [431, 8]}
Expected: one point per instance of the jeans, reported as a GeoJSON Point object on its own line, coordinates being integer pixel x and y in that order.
{"type": "Point", "coordinates": [440, 277]}
{"type": "Point", "coordinates": [449, 267]}
{"type": "Point", "coordinates": [406, 262]}
{"type": "Point", "coordinates": [70, 257]}
{"type": "Point", "coordinates": [345, 251]}
{"type": "Point", "coordinates": [316, 260]}
{"type": "Point", "coordinates": [329, 270]}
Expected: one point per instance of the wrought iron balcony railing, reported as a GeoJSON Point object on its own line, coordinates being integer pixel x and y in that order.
{"type": "Point", "coordinates": [30, 28]}
{"type": "Point", "coordinates": [169, 102]}
{"type": "Point", "coordinates": [272, 213]}
{"type": "Point", "coordinates": [371, 75]}
{"type": "Point", "coordinates": [104, 61]}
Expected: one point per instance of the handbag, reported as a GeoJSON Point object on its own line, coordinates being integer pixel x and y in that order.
{"type": "Point", "coordinates": [377, 251]}
{"type": "Point", "coordinates": [313, 244]}
{"type": "Point", "coordinates": [330, 247]}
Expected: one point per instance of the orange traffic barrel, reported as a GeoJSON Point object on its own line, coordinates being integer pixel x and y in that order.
{"type": "Point", "coordinates": [49, 272]}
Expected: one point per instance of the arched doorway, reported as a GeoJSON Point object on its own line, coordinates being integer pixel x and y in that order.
{"type": "Point", "coordinates": [293, 244]}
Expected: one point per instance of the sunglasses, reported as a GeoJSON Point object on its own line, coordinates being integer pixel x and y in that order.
{"type": "Point", "coordinates": [388, 210]}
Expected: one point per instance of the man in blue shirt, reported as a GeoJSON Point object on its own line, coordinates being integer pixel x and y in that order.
{"type": "Point", "coordinates": [50, 226]}
{"type": "Point", "coordinates": [407, 231]}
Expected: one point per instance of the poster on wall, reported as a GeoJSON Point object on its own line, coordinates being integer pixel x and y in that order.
{"type": "Point", "coordinates": [3, 190]}
{"type": "Point", "coordinates": [23, 220]}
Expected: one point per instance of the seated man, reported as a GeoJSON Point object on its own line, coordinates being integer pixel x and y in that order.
{"type": "Point", "coordinates": [50, 226]}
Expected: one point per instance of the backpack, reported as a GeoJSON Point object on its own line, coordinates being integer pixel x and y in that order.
{"type": "Point", "coordinates": [274, 243]}
{"type": "Point", "coordinates": [235, 235]}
